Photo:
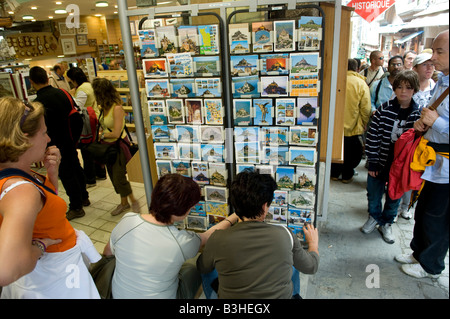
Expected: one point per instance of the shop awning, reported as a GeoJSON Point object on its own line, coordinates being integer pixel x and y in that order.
{"type": "Point", "coordinates": [407, 38]}
{"type": "Point", "coordinates": [429, 21]}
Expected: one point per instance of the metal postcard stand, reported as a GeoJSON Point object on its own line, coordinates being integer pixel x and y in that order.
{"type": "Point", "coordinates": [194, 10]}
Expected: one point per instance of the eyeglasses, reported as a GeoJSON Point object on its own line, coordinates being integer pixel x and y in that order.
{"type": "Point", "coordinates": [28, 109]}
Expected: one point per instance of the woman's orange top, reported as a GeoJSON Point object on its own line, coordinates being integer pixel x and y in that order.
{"type": "Point", "coordinates": [51, 221]}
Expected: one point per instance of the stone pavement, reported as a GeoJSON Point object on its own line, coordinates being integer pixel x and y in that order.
{"type": "Point", "coordinates": [362, 266]}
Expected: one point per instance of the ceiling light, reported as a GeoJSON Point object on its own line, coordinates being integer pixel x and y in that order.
{"type": "Point", "coordinates": [101, 4]}
{"type": "Point", "coordinates": [10, 12]}
{"type": "Point", "coordinates": [60, 56]}
{"type": "Point", "coordinates": [50, 17]}
{"type": "Point", "coordinates": [60, 11]}
{"type": "Point", "coordinates": [27, 17]}
{"type": "Point", "coordinates": [58, 2]}
{"type": "Point", "coordinates": [98, 15]}
{"type": "Point", "coordinates": [33, 8]}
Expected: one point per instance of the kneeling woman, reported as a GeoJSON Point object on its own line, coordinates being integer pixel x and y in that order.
{"type": "Point", "coordinates": [151, 253]}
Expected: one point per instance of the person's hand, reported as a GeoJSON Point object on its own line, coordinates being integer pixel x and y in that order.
{"type": "Point", "coordinates": [311, 237]}
{"type": "Point", "coordinates": [52, 159]}
{"type": "Point", "coordinates": [48, 241]}
{"type": "Point", "coordinates": [373, 173]}
{"type": "Point", "coordinates": [419, 126]}
{"type": "Point", "coordinates": [428, 116]}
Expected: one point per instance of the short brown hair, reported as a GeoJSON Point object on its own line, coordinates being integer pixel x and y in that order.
{"type": "Point", "coordinates": [14, 135]}
{"type": "Point", "coordinates": [173, 194]}
{"type": "Point", "coordinates": [407, 76]}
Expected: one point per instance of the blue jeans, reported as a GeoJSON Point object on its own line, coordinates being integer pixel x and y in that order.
{"type": "Point", "coordinates": [207, 280]}
{"type": "Point", "coordinates": [376, 188]}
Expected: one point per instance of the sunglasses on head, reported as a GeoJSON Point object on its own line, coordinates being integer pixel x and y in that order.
{"type": "Point", "coordinates": [28, 108]}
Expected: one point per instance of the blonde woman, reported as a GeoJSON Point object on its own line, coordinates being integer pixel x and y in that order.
{"type": "Point", "coordinates": [112, 122]}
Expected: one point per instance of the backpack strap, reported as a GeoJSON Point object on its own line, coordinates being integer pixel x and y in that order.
{"type": "Point", "coordinates": [8, 172]}
{"type": "Point", "coordinates": [377, 91]}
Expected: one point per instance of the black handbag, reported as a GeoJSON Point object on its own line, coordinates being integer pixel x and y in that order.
{"type": "Point", "coordinates": [103, 152]}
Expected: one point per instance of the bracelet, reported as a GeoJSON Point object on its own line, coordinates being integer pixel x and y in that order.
{"type": "Point", "coordinates": [229, 221]}
{"type": "Point", "coordinates": [40, 245]}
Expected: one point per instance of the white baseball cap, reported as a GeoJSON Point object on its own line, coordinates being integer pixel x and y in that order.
{"type": "Point", "coordinates": [421, 58]}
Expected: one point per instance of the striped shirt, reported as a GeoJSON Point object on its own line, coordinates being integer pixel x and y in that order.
{"type": "Point", "coordinates": [385, 130]}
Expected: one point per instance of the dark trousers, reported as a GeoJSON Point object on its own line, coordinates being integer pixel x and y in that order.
{"type": "Point", "coordinates": [430, 242]}
{"type": "Point", "coordinates": [353, 150]}
{"type": "Point", "coordinates": [118, 175]}
{"type": "Point", "coordinates": [72, 177]}
{"type": "Point", "coordinates": [91, 168]}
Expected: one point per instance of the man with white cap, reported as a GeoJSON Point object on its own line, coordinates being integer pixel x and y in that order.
{"type": "Point", "coordinates": [423, 66]}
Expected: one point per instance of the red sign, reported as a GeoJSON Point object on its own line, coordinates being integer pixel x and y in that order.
{"type": "Point", "coordinates": [370, 9]}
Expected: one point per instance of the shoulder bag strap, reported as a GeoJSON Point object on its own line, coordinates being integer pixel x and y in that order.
{"type": "Point", "coordinates": [439, 100]}
{"type": "Point", "coordinates": [8, 172]}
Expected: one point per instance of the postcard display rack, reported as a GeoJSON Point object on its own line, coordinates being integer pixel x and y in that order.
{"type": "Point", "coordinates": [275, 80]}
{"type": "Point", "coordinates": [275, 75]}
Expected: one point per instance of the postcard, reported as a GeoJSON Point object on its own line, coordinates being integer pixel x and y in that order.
{"type": "Point", "coordinates": [274, 86]}
{"type": "Point", "coordinates": [175, 110]}
{"type": "Point", "coordinates": [216, 209]}
{"type": "Point", "coordinates": [218, 174]}
{"type": "Point", "coordinates": [245, 86]}
{"type": "Point", "coordinates": [211, 134]}
{"type": "Point", "coordinates": [244, 167]}
{"type": "Point", "coordinates": [200, 172]}
{"type": "Point", "coordinates": [209, 39]}
{"type": "Point", "coordinates": [163, 133]}
{"type": "Point", "coordinates": [182, 87]}
{"type": "Point", "coordinates": [189, 152]}
{"type": "Point", "coordinates": [167, 39]}
{"type": "Point", "coordinates": [246, 134]}
{"type": "Point", "coordinates": [310, 33]}
{"type": "Point", "coordinates": [275, 155]}
{"type": "Point", "coordinates": [239, 38]}
{"type": "Point", "coordinates": [297, 230]}
{"type": "Point", "coordinates": [302, 156]}
{"type": "Point", "coordinates": [188, 39]}
{"type": "Point", "coordinates": [304, 63]}
{"type": "Point", "coordinates": [242, 111]}
{"type": "Point", "coordinates": [199, 209]}
{"type": "Point", "coordinates": [285, 176]}
{"type": "Point", "coordinates": [147, 43]}
{"type": "Point", "coordinates": [242, 65]}
{"type": "Point", "coordinates": [163, 167]}
{"type": "Point", "coordinates": [214, 111]}
{"type": "Point", "coordinates": [299, 216]}
{"type": "Point", "coordinates": [181, 64]}
{"type": "Point", "coordinates": [212, 152]}
{"type": "Point", "coordinates": [247, 152]}
{"type": "Point", "coordinates": [154, 67]}
{"type": "Point", "coordinates": [307, 111]}
{"type": "Point", "coordinates": [157, 118]}
{"type": "Point", "coordinates": [197, 222]}
{"type": "Point", "coordinates": [165, 150]}
{"type": "Point", "coordinates": [304, 84]}
{"type": "Point", "coordinates": [194, 111]}
{"type": "Point", "coordinates": [285, 111]}
{"type": "Point", "coordinates": [208, 87]}
{"type": "Point", "coordinates": [216, 194]}
{"type": "Point", "coordinates": [206, 65]}
{"type": "Point", "coordinates": [280, 198]}
{"type": "Point", "coordinates": [263, 109]}
{"type": "Point", "coordinates": [275, 64]}
{"type": "Point", "coordinates": [303, 135]}
{"type": "Point", "coordinates": [275, 135]}
{"type": "Point", "coordinates": [262, 36]}
{"type": "Point", "coordinates": [188, 134]}
{"type": "Point", "coordinates": [265, 169]}
{"type": "Point", "coordinates": [182, 167]}
{"type": "Point", "coordinates": [300, 199]}
{"type": "Point", "coordinates": [306, 178]}
{"type": "Point", "coordinates": [277, 215]}
{"type": "Point", "coordinates": [157, 88]}
{"type": "Point", "coordinates": [284, 35]}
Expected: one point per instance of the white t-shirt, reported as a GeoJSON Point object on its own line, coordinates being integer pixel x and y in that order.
{"type": "Point", "coordinates": [149, 258]}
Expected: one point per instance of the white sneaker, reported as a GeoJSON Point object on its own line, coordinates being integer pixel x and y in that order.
{"type": "Point", "coordinates": [406, 214]}
{"type": "Point", "coordinates": [406, 259]}
{"type": "Point", "coordinates": [369, 226]}
{"type": "Point", "coordinates": [416, 270]}
{"type": "Point", "coordinates": [386, 232]}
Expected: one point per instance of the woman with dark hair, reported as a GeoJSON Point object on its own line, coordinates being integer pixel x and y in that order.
{"type": "Point", "coordinates": [112, 122]}
{"type": "Point", "coordinates": [151, 253]}
{"type": "Point", "coordinates": [253, 259]}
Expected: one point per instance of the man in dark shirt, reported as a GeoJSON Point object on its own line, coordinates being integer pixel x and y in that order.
{"type": "Point", "coordinates": [57, 108]}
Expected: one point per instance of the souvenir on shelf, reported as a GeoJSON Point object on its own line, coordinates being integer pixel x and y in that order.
{"type": "Point", "coordinates": [206, 65]}
{"type": "Point", "coordinates": [214, 111]}
{"type": "Point", "coordinates": [242, 65]}
{"type": "Point", "coordinates": [245, 86]}
{"type": "Point", "coordinates": [155, 67]}
{"type": "Point", "coordinates": [304, 74]}
{"type": "Point", "coordinates": [285, 176]}
{"type": "Point", "coordinates": [166, 151]}
{"type": "Point", "coordinates": [262, 34]}
{"type": "Point", "coordinates": [263, 109]}
{"type": "Point", "coordinates": [175, 109]}
{"type": "Point", "coordinates": [239, 38]}
{"type": "Point", "coordinates": [303, 156]}
{"type": "Point", "coordinates": [275, 155]}
{"type": "Point", "coordinates": [246, 134]}
{"type": "Point", "coordinates": [182, 167]}
{"type": "Point", "coordinates": [303, 135]}
{"type": "Point", "coordinates": [247, 152]}
{"type": "Point", "coordinates": [157, 87]}
{"type": "Point", "coordinates": [163, 133]}
{"type": "Point", "coordinates": [156, 110]}
{"type": "Point", "coordinates": [200, 173]}
{"type": "Point", "coordinates": [242, 111]}
{"type": "Point", "coordinates": [274, 86]}
{"type": "Point", "coordinates": [211, 134]}
{"type": "Point", "coordinates": [217, 174]}
{"type": "Point", "coordinates": [275, 135]}
{"type": "Point", "coordinates": [188, 134]}
{"type": "Point", "coordinates": [306, 178]}
{"type": "Point", "coordinates": [209, 39]}
{"type": "Point", "coordinates": [194, 111]}
{"type": "Point", "coordinates": [285, 111]}
{"type": "Point", "coordinates": [280, 198]}
{"type": "Point", "coordinates": [188, 39]}
{"type": "Point", "coordinates": [182, 87]}
{"type": "Point", "coordinates": [298, 216]}
{"type": "Point", "coordinates": [216, 194]}
{"type": "Point", "coordinates": [301, 199]}
{"type": "Point", "coordinates": [307, 111]}
{"type": "Point", "coordinates": [304, 84]}
{"type": "Point", "coordinates": [167, 39]}
{"type": "Point", "coordinates": [285, 35]}
{"type": "Point", "coordinates": [163, 168]}
{"type": "Point", "coordinates": [208, 87]}
{"type": "Point", "coordinates": [216, 211]}
{"type": "Point", "coordinates": [181, 64]}
{"type": "Point", "coordinates": [199, 208]}
{"type": "Point", "coordinates": [197, 222]}
{"type": "Point", "coordinates": [213, 153]}
{"type": "Point", "coordinates": [189, 151]}
{"type": "Point", "coordinates": [275, 64]}
{"type": "Point", "coordinates": [277, 215]}
{"type": "Point", "coordinates": [147, 43]}
{"type": "Point", "coordinates": [309, 33]}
